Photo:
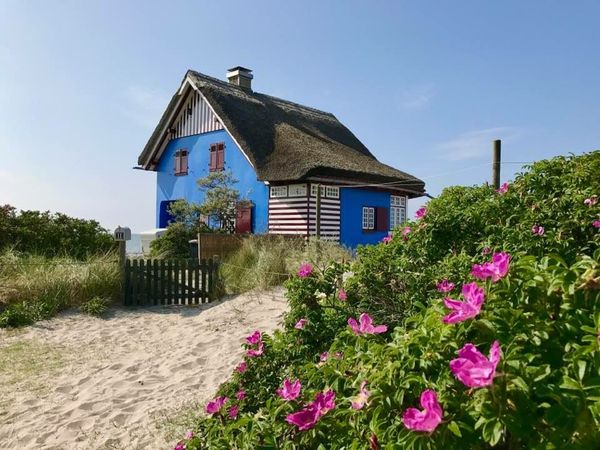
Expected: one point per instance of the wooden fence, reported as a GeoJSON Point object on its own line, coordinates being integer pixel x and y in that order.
{"type": "Point", "coordinates": [169, 282]}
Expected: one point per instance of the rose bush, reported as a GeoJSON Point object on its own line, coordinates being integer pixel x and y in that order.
{"type": "Point", "coordinates": [514, 365]}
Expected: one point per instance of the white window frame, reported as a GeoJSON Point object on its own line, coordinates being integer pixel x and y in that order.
{"type": "Point", "coordinates": [397, 211]}
{"type": "Point", "coordinates": [332, 192]}
{"type": "Point", "coordinates": [368, 218]}
{"type": "Point", "coordinates": [297, 190]}
{"type": "Point", "coordinates": [326, 191]}
{"type": "Point", "coordinates": [313, 190]}
{"type": "Point", "coordinates": [278, 191]}
{"type": "Point", "coordinates": [397, 200]}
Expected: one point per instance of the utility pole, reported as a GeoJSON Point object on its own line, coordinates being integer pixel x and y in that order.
{"type": "Point", "coordinates": [318, 224]}
{"type": "Point", "coordinates": [318, 211]}
{"type": "Point", "coordinates": [496, 156]}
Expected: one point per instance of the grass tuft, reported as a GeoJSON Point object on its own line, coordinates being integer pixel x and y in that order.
{"type": "Point", "coordinates": [35, 287]}
{"type": "Point", "coordinates": [266, 261]}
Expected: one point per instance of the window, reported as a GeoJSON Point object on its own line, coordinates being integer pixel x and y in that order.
{"type": "Point", "coordinates": [398, 201]}
{"type": "Point", "coordinates": [332, 192]}
{"type": "Point", "coordinates": [313, 190]}
{"type": "Point", "coordinates": [279, 191]}
{"type": "Point", "coordinates": [326, 191]}
{"type": "Point", "coordinates": [181, 162]}
{"type": "Point", "coordinates": [217, 157]}
{"type": "Point", "coordinates": [368, 218]}
{"type": "Point", "coordinates": [297, 190]}
{"type": "Point", "coordinates": [397, 211]}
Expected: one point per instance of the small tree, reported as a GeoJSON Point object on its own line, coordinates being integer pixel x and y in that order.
{"type": "Point", "coordinates": [187, 214]}
{"type": "Point", "coordinates": [220, 199]}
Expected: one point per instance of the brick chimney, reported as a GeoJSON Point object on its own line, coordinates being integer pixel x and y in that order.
{"type": "Point", "coordinates": [240, 76]}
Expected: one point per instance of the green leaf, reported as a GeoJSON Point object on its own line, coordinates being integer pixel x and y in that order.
{"type": "Point", "coordinates": [453, 426]}
{"type": "Point", "coordinates": [581, 365]}
{"type": "Point", "coordinates": [570, 383]}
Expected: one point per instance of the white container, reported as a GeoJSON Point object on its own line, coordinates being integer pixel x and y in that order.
{"type": "Point", "coordinates": [148, 236]}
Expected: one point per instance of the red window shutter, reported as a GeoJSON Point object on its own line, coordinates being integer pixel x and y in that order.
{"type": "Point", "coordinates": [184, 162]}
{"type": "Point", "coordinates": [177, 163]}
{"type": "Point", "coordinates": [243, 220]}
{"type": "Point", "coordinates": [221, 156]}
{"type": "Point", "coordinates": [381, 219]}
{"type": "Point", "coordinates": [213, 158]}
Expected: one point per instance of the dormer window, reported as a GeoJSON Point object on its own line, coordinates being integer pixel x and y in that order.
{"type": "Point", "coordinates": [217, 157]}
{"type": "Point", "coordinates": [181, 162]}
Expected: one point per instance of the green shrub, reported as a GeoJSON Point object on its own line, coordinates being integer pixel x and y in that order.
{"type": "Point", "coordinates": [545, 314]}
{"type": "Point", "coordinates": [48, 234]}
{"type": "Point", "coordinates": [174, 242]}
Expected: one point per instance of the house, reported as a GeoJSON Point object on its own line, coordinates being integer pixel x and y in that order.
{"type": "Point", "coordinates": [283, 154]}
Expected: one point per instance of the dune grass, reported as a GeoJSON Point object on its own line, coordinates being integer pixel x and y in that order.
{"type": "Point", "coordinates": [266, 261]}
{"type": "Point", "coordinates": [35, 287]}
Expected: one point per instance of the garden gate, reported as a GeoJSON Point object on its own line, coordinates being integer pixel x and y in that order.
{"type": "Point", "coordinates": [169, 282]}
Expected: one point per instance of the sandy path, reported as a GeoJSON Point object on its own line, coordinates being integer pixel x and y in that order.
{"type": "Point", "coordinates": [112, 384]}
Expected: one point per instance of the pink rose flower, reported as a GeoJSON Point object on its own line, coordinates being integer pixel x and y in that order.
{"type": "Point", "coordinates": [591, 201]}
{"type": "Point", "coordinates": [445, 286]}
{"type": "Point", "coordinates": [342, 295]}
{"type": "Point", "coordinates": [421, 212]}
{"type": "Point", "coordinates": [486, 250]}
{"type": "Point", "coordinates": [215, 405]}
{"type": "Point", "coordinates": [361, 399]}
{"type": "Point", "coordinates": [405, 232]}
{"type": "Point", "coordinates": [473, 295]}
{"type": "Point", "coordinates": [305, 270]}
{"type": "Point", "coordinates": [429, 418]}
{"type": "Point", "coordinates": [189, 434]}
{"type": "Point", "coordinates": [496, 269]}
{"type": "Point", "coordinates": [365, 325]}
{"type": "Point", "coordinates": [233, 412]}
{"type": "Point", "coordinates": [242, 367]}
{"type": "Point", "coordinates": [179, 446]}
{"type": "Point", "coordinates": [386, 239]}
{"type": "Point", "coordinates": [254, 338]}
{"type": "Point", "coordinates": [324, 357]}
{"type": "Point", "coordinates": [472, 368]}
{"type": "Point", "coordinates": [290, 390]}
{"type": "Point", "coordinates": [256, 352]}
{"type": "Point", "coordinates": [241, 395]}
{"type": "Point", "coordinates": [537, 229]}
{"type": "Point", "coordinates": [596, 223]}
{"type": "Point", "coordinates": [306, 418]}
{"type": "Point", "coordinates": [300, 324]}
{"type": "Point", "coordinates": [503, 189]}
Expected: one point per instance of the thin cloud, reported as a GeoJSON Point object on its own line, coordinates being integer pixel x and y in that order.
{"type": "Point", "coordinates": [417, 97]}
{"type": "Point", "coordinates": [476, 144]}
{"type": "Point", "coordinates": [144, 106]}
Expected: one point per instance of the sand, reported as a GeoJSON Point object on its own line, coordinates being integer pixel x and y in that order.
{"type": "Point", "coordinates": [132, 381]}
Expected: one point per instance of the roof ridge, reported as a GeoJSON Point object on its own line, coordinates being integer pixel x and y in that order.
{"type": "Point", "coordinates": [255, 93]}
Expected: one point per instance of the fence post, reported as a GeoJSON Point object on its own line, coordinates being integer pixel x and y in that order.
{"type": "Point", "coordinates": [126, 286]}
{"type": "Point", "coordinates": [210, 280]}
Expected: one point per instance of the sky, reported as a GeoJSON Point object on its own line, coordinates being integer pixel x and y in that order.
{"type": "Point", "coordinates": [426, 86]}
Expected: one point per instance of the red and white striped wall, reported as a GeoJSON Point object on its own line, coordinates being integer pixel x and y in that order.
{"type": "Point", "coordinates": [293, 211]}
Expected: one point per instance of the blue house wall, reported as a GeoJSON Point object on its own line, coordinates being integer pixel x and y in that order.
{"type": "Point", "coordinates": [352, 202]}
{"type": "Point", "coordinates": [171, 187]}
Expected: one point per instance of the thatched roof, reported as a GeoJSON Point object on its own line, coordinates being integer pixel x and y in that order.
{"type": "Point", "coordinates": [286, 141]}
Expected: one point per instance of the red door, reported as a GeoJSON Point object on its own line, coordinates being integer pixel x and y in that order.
{"type": "Point", "coordinates": [243, 219]}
